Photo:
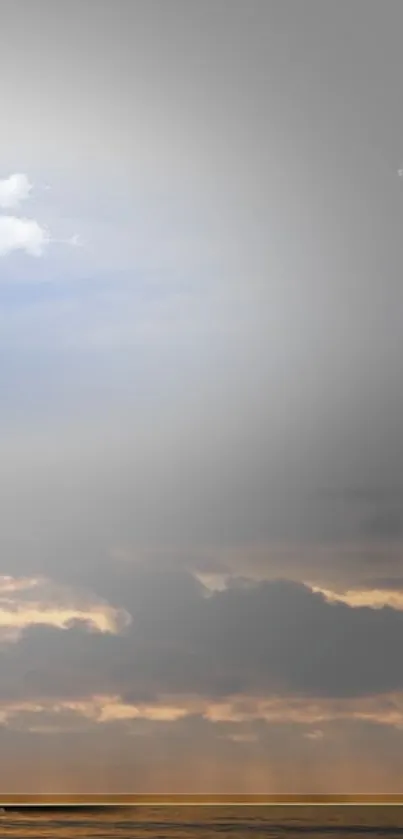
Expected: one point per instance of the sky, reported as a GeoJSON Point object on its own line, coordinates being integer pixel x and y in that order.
{"type": "Point", "coordinates": [201, 491]}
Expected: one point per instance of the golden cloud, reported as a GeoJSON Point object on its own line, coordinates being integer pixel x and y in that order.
{"type": "Point", "coordinates": [52, 606]}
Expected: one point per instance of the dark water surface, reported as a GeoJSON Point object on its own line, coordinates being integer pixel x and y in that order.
{"type": "Point", "coordinates": [267, 822]}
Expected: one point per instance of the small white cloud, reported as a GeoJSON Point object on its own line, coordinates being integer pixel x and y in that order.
{"type": "Point", "coordinates": [22, 234]}
{"type": "Point", "coordinates": [14, 190]}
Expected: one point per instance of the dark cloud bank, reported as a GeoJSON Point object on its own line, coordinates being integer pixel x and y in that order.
{"type": "Point", "coordinates": [269, 638]}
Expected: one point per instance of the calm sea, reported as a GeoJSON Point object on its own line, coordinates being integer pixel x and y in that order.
{"type": "Point", "coordinates": [206, 823]}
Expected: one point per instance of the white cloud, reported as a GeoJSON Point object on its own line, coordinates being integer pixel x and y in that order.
{"type": "Point", "coordinates": [18, 233]}
{"type": "Point", "coordinates": [22, 234]}
{"type": "Point", "coordinates": [14, 190]}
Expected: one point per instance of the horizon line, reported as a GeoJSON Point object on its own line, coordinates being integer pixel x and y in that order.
{"type": "Point", "coordinates": [197, 799]}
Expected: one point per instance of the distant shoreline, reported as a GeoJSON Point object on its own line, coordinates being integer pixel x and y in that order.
{"type": "Point", "coordinates": [31, 801]}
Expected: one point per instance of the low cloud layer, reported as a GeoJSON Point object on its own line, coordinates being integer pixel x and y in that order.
{"type": "Point", "coordinates": [265, 676]}
{"type": "Point", "coordinates": [269, 639]}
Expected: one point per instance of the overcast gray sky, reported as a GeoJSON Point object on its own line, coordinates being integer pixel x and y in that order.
{"type": "Point", "coordinates": [201, 491]}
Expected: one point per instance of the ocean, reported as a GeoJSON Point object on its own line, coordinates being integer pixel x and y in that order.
{"type": "Point", "coordinates": [267, 822]}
